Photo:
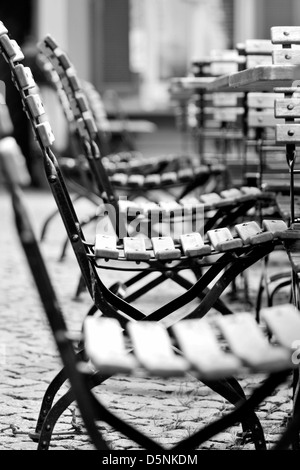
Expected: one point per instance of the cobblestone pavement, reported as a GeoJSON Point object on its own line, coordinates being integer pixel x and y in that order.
{"type": "Point", "coordinates": [167, 410]}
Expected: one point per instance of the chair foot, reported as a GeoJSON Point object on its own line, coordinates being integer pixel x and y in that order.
{"type": "Point", "coordinates": [34, 436]}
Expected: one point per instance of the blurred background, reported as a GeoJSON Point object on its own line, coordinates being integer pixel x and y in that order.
{"type": "Point", "coordinates": [134, 47]}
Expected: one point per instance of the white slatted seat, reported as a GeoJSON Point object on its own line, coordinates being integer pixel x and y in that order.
{"type": "Point", "coordinates": [212, 349]}
{"type": "Point", "coordinates": [191, 244]}
{"type": "Point", "coordinates": [207, 202]}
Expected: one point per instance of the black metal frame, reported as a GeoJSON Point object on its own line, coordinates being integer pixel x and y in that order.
{"type": "Point", "coordinates": [110, 304]}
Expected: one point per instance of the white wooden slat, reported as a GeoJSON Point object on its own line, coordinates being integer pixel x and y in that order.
{"type": "Point", "coordinates": [135, 249]}
{"type": "Point", "coordinates": [276, 227]}
{"type": "Point", "coordinates": [284, 322]}
{"type": "Point", "coordinates": [3, 29]}
{"type": "Point", "coordinates": [169, 178]}
{"type": "Point", "coordinates": [261, 100]}
{"type": "Point", "coordinates": [35, 105]}
{"type": "Point", "coordinates": [164, 248]}
{"type": "Point", "coordinates": [193, 245]}
{"type": "Point", "coordinates": [191, 203]}
{"type": "Point", "coordinates": [251, 233]}
{"type": "Point", "coordinates": [254, 60]}
{"type": "Point", "coordinates": [120, 179]}
{"type": "Point", "coordinates": [247, 341]}
{"type": "Point", "coordinates": [185, 174]}
{"type": "Point", "coordinates": [25, 77]}
{"type": "Point", "coordinates": [288, 133]}
{"type": "Point", "coordinates": [154, 180]}
{"type": "Point", "coordinates": [153, 349]}
{"type": "Point", "coordinates": [105, 346]}
{"type": "Point", "coordinates": [12, 48]}
{"type": "Point", "coordinates": [287, 57]}
{"type": "Point", "coordinates": [232, 193]}
{"type": "Point", "coordinates": [287, 108]}
{"type": "Point", "coordinates": [258, 46]}
{"type": "Point", "coordinates": [224, 99]}
{"type": "Point", "coordinates": [200, 347]}
{"type": "Point", "coordinates": [136, 180]}
{"type": "Point", "coordinates": [106, 247]}
{"type": "Point", "coordinates": [45, 133]}
{"type": "Point", "coordinates": [285, 35]}
{"type": "Point", "coordinates": [264, 118]}
{"type": "Point", "coordinates": [222, 239]}
{"type": "Point", "coordinates": [251, 190]}
{"type": "Point", "coordinates": [210, 198]}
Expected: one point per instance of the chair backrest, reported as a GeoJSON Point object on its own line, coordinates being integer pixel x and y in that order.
{"type": "Point", "coordinates": [271, 171]}
{"type": "Point", "coordinates": [258, 52]}
{"type": "Point", "coordinates": [83, 119]}
{"type": "Point", "coordinates": [286, 107]}
{"type": "Point", "coordinates": [220, 116]}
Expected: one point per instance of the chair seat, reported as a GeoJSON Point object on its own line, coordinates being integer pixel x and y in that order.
{"type": "Point", "coordinates": [210, 349]}
{"type": "Point", "coordinates": [148, 174]}
{"type": "Point", "coordinates": [189, 204]}
{"type": "Point", "coordinates": [189, 245]}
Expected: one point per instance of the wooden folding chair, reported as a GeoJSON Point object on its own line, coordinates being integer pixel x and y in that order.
{"type": "Point", "coordinates": [223, 257]}
{"type": "Point", "coordinates": [222, 122]}
{"type": "Point", "coordinates": [219, 116]}
{"type": "Point", "coordinates": [224, 208]}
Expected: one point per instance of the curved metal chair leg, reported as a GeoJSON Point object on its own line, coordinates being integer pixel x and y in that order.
{"type": "Point", "coordinates": [64, 250]}
{"type": "Point", "coordinates": [47, 223]}
{"type": "Point", "coordinates": [47, 402]}
{"type": "Point", "coordinates": [259, 299]}
{"type": "Point", "coordinates": [83, 223]}
{"type": "Point", "coordinates": [232, 391]}
{"type": "Point", "coordinates": [296, 410]}
{"type": "Point", "coordinates": [51, 217]}
{"type": "Point", "coordinates": [276, 289]}
{"type": "Point", "coordinates": [291, 436]}
{"type": "Point", "coordinates": [228, 389]}
{"type": "Point", "coordinates": [80, 288]}
{"type": "Point", "coordinates": [49, 397]}
{"type": "Point", "coordinates": [45, 435]}
{"type": "Point", "coordinates": [237, 415]}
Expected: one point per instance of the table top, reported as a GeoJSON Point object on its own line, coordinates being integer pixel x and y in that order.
{"type": "Point", "coordinates": [258, 78]}
{"type": "Point", "coordinates": [265, 77]}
